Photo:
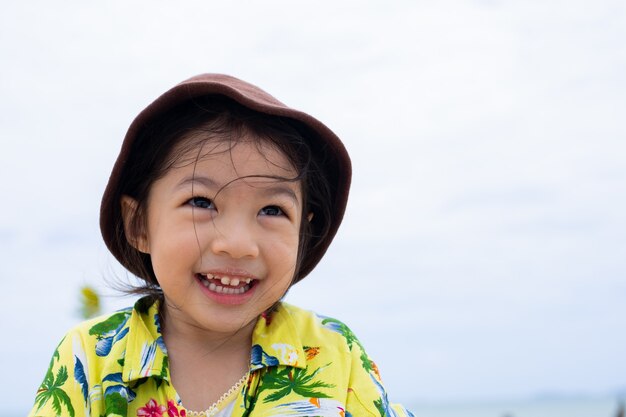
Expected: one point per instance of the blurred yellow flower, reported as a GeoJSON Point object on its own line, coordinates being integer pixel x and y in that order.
{"type": "Point", "coordinates": [89, 302]}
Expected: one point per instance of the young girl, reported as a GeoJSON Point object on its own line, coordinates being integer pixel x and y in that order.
{"type": "Point", "coordinates": [221, 198]}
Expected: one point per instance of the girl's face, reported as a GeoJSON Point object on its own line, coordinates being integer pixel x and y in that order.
{"type": "Point", "coordinates": [222, 234]}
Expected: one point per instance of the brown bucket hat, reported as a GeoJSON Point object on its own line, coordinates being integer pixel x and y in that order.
{"type": "Point", "coordinates": [336, 160]}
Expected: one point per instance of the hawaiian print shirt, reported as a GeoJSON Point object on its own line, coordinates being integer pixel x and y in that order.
{"type": "Point", "coordinates": [301, 364]}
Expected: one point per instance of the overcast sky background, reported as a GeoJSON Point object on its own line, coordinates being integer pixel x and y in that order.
{"type": "Point", "coordinates": [483, 251]}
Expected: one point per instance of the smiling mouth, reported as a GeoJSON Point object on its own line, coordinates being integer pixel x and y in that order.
{"type": "Point", "coordinates": [226, 285]}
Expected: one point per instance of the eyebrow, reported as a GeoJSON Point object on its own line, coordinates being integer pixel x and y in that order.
{"type": "Point", "coordinates": [205, 181]}
{"type": "Point", "coordinates": [213, 185]}
{"type": "Point", "coordinates": [282, 190]}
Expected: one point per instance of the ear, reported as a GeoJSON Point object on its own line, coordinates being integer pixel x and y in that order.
{"type": "Point", "coordinates": [136, 237]}
{"type": "Point", "coordinates": [309, 217]}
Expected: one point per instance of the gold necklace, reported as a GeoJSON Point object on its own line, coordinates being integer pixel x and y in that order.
{"type": "Point", "coordinates": [214, 408]}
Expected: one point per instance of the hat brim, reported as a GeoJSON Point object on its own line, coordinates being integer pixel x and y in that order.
{"type": "Point", "coordinates": [337, 163]}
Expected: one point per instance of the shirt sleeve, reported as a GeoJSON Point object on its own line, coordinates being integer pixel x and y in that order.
{"type": "Point", "coordinates": [63, 391]}
{"type": "Point", "coordinates": [366, 393]}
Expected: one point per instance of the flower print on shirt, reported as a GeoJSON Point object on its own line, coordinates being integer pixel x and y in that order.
{"type": "Point", "coordinates": [311, 352]}
{"type": "Point", "coordinates": [151, 409]}
{"type": "Point", "coordinates": [288, 354]}
{"type": "Point", "coordinates": [173, 411]}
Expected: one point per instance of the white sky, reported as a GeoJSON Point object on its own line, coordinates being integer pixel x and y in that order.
{"type": "Point", "coordinates": [482, 255]}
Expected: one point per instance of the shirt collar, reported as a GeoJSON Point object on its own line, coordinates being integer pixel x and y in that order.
{"type": "Point", "coordinates": [275, 341]}
{"type": "Point", "coordinates": [146, 355]}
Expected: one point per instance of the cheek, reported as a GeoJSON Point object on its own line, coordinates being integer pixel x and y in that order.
{"type": "Point", "coordinates": [172, 247]}
{"type": "Point", "coordinates": [284, 255]}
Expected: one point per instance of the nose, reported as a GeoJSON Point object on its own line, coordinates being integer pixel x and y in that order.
{"type": "Point", "coordinates": [234, 237]}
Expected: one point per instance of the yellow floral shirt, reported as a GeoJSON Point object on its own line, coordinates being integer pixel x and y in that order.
{"type": "Point", "coordinates": [301, 364]}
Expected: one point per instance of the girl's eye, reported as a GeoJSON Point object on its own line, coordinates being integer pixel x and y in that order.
{"type": "Point", "coordinates": [201, 202]}
{"type": "Point", "coordinates": [272, 211]}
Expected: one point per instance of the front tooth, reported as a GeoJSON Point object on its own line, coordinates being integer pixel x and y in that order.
{"type": "Point", "coordinates": [234, 282]}
{"type": "Point", "coordinates": [225, 280]}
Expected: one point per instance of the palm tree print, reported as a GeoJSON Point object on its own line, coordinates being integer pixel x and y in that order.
{"type": "Point", "coordinates": [293, 379]}
{"type": "Point", "coordinates": [51, 389]}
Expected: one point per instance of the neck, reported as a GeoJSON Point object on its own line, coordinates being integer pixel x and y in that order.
{"type": "Point", "coordinates": [205, 364]}
{"type": "Point", "coordinates": [178, 332]}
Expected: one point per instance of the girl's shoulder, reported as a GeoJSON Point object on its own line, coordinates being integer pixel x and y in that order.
{"type": "Point", "coordinates": [294, 337]}
{"type": "Point", "coordinates": [304, 316]}
{"type": "Point", "coordinates": [107, 335]}
{"type": "Point", "coordinates": [113, 345]}
{"type": "Point", "coordinates": [112, 323]}
{"type": "Point", "coordinates": [312, 328]}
